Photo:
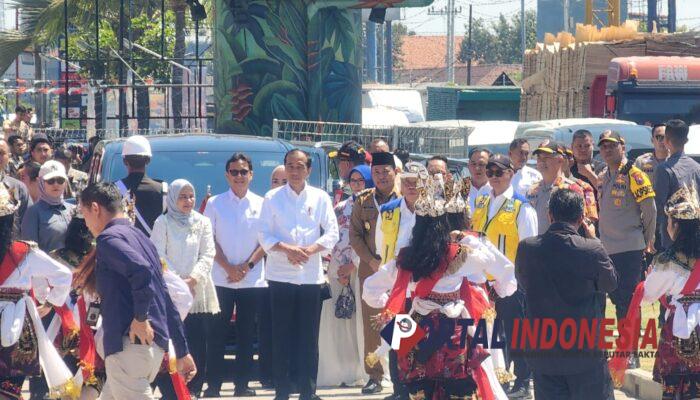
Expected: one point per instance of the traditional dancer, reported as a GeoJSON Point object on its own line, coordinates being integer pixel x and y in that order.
{"type": "Point", "coordinates": [25, 344]}
{"type": "Point", "coordinates": [675, 273]}
{"type": "Point", "coordinates": [437, 271]}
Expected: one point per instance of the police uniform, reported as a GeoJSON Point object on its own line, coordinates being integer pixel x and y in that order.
{"type": "Point", "coordinates": [627, 223]}
{"type": "Point", "coordinates": [147, 194]}
{"type": "Point", "coordinates": [648, 162]}
{"type": "Point", "coordinates": [507, 219]}
{"type": "Point", "coordinates": [539, 194]}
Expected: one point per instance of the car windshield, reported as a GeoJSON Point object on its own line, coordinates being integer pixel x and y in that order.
{"type": "Point", "coordinates": [204, 168]}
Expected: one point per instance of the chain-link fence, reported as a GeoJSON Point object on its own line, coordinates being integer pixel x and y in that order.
{"type": "Point", "coordinates": [449, 142]}
{"type": "Point", "coordinates": [60, 136]}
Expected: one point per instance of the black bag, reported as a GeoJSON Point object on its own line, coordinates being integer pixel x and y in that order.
{"type": "Point", "coordinates": [345, 304]}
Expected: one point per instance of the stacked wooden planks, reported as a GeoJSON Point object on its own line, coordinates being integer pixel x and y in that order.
{"type": "Point", "coordinates": [557, 76]}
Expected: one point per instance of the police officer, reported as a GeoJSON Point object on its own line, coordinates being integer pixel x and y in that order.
{"type": "Point", "coordinates": [506, 219]}
{"type": "Point", "coordinates": [551, 163]}
{"type": "Point", "coordinates": [648, 162]}
{"type": "Point", "coordinates": [147, 195]}
{"type": "Point", "coordinates": [627, 217]}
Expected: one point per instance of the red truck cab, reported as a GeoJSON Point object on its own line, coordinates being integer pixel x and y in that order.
{"type": "Point", "coordinates": [653, 89]}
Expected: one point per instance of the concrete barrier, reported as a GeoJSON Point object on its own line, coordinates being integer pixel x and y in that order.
{"type": "Point", "coordinates": [640, 385]}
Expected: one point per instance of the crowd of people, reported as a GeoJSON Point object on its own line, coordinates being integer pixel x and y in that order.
{"type": "Point", "coordinates": [103, 291]}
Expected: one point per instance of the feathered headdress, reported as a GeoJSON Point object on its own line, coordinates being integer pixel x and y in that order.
{"type": "Point", "coordinates": [439, 195]}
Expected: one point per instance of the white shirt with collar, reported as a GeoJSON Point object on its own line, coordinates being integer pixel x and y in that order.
{"type": "Point", "coordinates": [236, 225]}
{"type": "Point", "coordinates": [474, 193]}
{"type": "Point", "coordinates": [524, 179]}
{"type": "Point", "coordinates": [527, 218]}
{"type": "Point", "coordinates": [296, 219]}
{"type": "Point", "coordinates": [407, 219]}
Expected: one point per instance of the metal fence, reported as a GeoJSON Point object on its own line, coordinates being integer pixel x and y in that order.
{"type": "Point", "coordinates": [449, 142]}
{"type": "Point", "coordinates": [60, 136]}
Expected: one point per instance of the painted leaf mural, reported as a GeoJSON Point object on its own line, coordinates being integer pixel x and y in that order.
{"type": "Point", "coordinates": [288, 59]}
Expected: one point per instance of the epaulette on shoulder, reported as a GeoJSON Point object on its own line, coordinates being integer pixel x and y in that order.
{"type": "Point", "coordinates": [364, 193]}
{"type": "Point", "coordinates": [391, 205]}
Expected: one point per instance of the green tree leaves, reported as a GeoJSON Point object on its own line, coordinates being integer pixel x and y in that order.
{"type": "Point", "coordinates": [499, 41]}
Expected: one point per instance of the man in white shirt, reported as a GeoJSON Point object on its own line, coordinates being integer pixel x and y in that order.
{"type": "Point", "coordinates": [525, 177]}
{"type": "Point", "coordinates": [238, 273]}
{"type": "Point", "coordinates": [478, 158]}
{"type": "Point", "coordinates": [506, 219]}
{"type": "Point", "coordinates": [292, 219]}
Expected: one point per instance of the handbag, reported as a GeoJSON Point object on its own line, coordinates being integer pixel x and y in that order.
{"type": "Point", "coordinates": [345, 303]}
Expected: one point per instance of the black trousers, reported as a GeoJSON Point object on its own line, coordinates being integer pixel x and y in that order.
{"type": "Point", "coordinates": [295, 323]}
{"type": "Point", "coordinates": [628, 266]}
{"type": "Point", "coordinates": [595, 384]}
{"type": "Point", "coordinates": [245, 303]}
{"type": "Point", "coordinates": [264, 335]}
{"type": "Point", "coordinates": [508, 309]}
{"type": "Point", "coordinates": [451, 389]}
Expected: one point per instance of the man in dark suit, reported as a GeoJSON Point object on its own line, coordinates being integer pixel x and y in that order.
{"type": "Point", "coordinates": [147, 194]}
{"type": "Point", "coordinates": [562, 274]}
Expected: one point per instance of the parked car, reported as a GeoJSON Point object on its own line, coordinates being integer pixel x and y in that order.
{"type": "Point", "coordinates": [201, 159]}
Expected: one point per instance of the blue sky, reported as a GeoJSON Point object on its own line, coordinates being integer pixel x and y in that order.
{"type": "Point", "coordinates": [418, 19]}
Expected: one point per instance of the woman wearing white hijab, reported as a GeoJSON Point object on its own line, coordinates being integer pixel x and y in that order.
{"type": "Point", "coordinates": [185, 240]}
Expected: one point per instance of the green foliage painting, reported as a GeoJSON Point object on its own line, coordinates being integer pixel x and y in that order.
{"type": "Point", "coordinates": [288, 59]}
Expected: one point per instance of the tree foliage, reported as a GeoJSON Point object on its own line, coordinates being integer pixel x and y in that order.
{"type": "Point", "coordinates": [498, 42]}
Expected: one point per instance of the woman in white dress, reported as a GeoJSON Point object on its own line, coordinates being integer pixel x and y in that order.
{"type": "Point", "coordinates": [340, 341]}
{"type": "Point", "coordinates": [185, 241]}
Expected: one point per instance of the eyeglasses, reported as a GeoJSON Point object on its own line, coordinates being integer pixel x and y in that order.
{"type": "Point", "coordinates": [659, 138]}
{"type": "Point", "coordinates": [494, 172]}
{"type": "Point", "coordinates": [55, 181]}
{"type": "Point", "coordinates": [236, 172]}
{"type": "Point", "coordinates": [357, 181]}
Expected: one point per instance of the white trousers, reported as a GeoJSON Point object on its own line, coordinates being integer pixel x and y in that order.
{"type": "Point", "coordinates": [131, 371]}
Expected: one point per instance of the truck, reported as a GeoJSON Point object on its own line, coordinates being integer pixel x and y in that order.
{"type": "Point", "coordinates": [653, 89]}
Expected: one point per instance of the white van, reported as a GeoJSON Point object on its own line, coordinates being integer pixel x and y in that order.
{"type": "Point", "coordinates": [692, 148]}
{"type": "Point", "coordinates": [637, 137]}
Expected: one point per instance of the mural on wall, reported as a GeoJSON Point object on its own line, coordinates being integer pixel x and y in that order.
{"type": "Point", "coordinates": [288, 59]}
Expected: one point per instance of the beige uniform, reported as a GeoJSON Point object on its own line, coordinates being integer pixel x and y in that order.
{"type": "Point", "coordinates": [647, 162]}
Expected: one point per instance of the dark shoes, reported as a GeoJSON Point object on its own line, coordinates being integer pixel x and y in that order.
{"type": "Point", "coordinates": [244, 393]}
{"type": "Point", "coordinates": [372, 387]}
{"type": "Point", "coordinates": [520, 392]}
{"type": "Point", "coordinates": [312, 397]}
{"type": "Point", "coordinates": [267, 384]}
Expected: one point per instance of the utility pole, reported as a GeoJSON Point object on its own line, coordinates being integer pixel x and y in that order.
{"type": "Point", "coordinates": [522, 27]}
{"type": "Point", "coordinates": [566, 17]}
{"type": "Point", "coordinates": [671, 16]}
{"type": "Point", "coordinates": [450, 11]}
{"type": "Point", "coordinates": [371, 50]}
{"type": "Point", "coordinates": [651, 16]}
{"type": "Point", "coordinates": [469, 49]}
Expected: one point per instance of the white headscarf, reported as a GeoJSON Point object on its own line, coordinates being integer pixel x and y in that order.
{"type": "Point", "coordinates": [174, 213]}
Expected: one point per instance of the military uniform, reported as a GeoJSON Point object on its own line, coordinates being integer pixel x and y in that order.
{"type": "Point", "coordinates": [648, 162]}
{"type": "Point", "coordinates": [149, 198]}
{"type": "Point", "coordinates": [363, 224]}
{"type": "Point", "coordinates": [627, 224]}
{"type": "Point", "coordinates": [539, 194]}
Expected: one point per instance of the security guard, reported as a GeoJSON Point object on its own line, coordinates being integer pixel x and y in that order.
{"type": "Point", "coordinates": [363, 223]}
{"type": "Point", "coordinates": [551, 163]}
{"type": "Point", "coordinates": [146, 194]}
{"type": "Point", "coordinates": [506, 219]}
{"type": "Point", "coordinates": [627, 216]}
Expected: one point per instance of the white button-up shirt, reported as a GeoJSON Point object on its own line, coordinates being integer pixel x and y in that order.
{"type": "Point", "coordinates": [297, 219]}
{"type": "Point", "coordinates": [524, 179]}
{"type": "Point", "coordinates": [407, 219]}
{"type": "Point", "coordinates": [527, 217]}
{"type": "Point", "coordinates": [236, 225]}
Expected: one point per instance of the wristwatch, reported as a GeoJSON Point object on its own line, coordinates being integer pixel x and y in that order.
{"type": "Point", "coordinates": [251, 264]}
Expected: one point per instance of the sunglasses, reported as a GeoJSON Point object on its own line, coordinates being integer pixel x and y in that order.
{"type": "Point", "coordinates": [357, 180]}
{"type": "Point", "coordinates": [55, 181]}
{"type": "Point", "coordinates": [236, 172]}
{"type": "Point", "coordinates": [494, 172]}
